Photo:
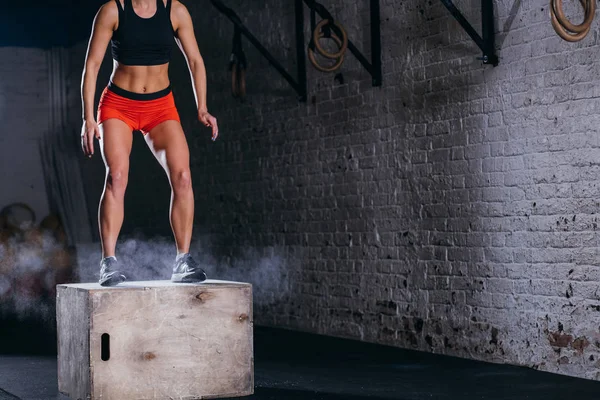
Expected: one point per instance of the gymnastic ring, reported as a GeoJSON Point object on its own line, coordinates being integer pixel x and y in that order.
{"type": "Point", "coordinates": [588, 5]}
{"type": "Point", "coordinates": [234, 85]}
{"type": "Point", "coordinates": [242, 82]}
{"type": "Point", "coordinates": [569, 37]}
{"type": "Point", "coordinates": [318, 33]}
{"type": "Point", "coordinates": [238, 80]}
{"type": "Point", "coordinates": [564, 28]}
{"type": "Point", "coordinates": [313, 60]}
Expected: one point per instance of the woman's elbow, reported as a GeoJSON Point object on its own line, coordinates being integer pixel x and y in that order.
{"type": "Point", "coordinates": [196, 63]}
{"type": "Point", "coordinates": [92, 66]}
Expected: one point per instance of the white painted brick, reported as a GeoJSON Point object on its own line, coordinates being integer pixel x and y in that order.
{"type": "Point", "coordinates": [457, 178]}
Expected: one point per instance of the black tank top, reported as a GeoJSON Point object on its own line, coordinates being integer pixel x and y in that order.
{"type": "Point", "coordinates": [143, 41]}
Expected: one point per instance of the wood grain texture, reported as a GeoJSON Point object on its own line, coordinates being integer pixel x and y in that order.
{"type": "Point", "coordinates": [72, 319]}
{"type": "Point", "coordinates": [171, 341]}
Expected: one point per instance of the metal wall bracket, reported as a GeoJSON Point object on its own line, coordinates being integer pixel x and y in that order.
{"type": "Point", "coordinates": [485, 43]}
{"type": "Point", "coordinates": [299, 83]}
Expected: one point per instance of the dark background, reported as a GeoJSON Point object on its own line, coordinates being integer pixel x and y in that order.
{"type": "Point", "coordinates": [452, 210]}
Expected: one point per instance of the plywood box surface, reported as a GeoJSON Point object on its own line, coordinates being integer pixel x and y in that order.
{"type": "Point", "coordinates": [155, 340]}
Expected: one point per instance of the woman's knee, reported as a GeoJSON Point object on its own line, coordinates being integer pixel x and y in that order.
{"type": "Point", "coordinates": [116, 180]}
{"type": "Point", "coordinates": [181, 181]}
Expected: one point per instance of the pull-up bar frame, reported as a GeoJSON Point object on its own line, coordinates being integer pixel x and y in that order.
{"type": "Point", "coordinates": [299, 83]}
{"type": "Point", "coordinates": [485, 43]}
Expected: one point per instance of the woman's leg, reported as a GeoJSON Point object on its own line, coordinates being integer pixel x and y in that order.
{"type": "Point", "coordinates": [115, 144]}
{"type": "Point", "coordinates": [167, 142]}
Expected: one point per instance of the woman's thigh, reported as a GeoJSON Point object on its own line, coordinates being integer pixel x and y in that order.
{"type": "Point", "coordinates": [116, 139]}
{"type": "Point", "coordinates": [169, 145]}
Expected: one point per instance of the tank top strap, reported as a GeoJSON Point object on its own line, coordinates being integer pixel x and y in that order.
{"type": "Point", "coordinates": [168, 10]}
{"type": "Point", "coordinates": [128, 6]}
{"type": "Point", "coordinates": [119, 6]}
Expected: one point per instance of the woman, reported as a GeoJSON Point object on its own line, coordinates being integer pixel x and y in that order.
{"type": "Point", "coordinates": [138, 97]}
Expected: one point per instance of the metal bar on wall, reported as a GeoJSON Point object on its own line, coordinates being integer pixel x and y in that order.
{"type": "Point", "coordinates": [229, 13]}
{"type": "Point", "coordinates": [300, 85]}
{"type": "Point", "coordinates": [487, 30]}
{"type": "Point", "coordinates": [300, 54]}
{"type": "Point", "coordinates": [485, 43]}
{"type": "Point", "coordinates": [376, 42]}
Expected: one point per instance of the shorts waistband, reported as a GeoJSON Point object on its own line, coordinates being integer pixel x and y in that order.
{"type": "Point", "coordinates": [138, 96]}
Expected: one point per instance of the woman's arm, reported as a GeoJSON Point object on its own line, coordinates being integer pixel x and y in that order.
{"type": "Point", "coordinates": [186, 39]}
{"type": "Point", "coordinates": [102, 30]}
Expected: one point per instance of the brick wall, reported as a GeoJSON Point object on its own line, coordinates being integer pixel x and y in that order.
{"type": "Point", "coordinates": [453, 210]}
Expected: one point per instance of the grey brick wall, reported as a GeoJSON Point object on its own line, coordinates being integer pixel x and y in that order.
{"type": "Point", "coordinates": [453, 210]}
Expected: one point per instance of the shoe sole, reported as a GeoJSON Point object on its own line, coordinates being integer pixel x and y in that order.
{"type": "Point", "coordinates": [113, 280]}
{"type": "Point", "coordinates": [188, 277]}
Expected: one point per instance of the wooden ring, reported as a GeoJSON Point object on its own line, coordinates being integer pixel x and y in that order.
{"type": "Point", "coordinates": [318, 34]}
{"type": "Point", "coordinates": [313, 60]}
{"type": "Point", "coordinates": [564, 28]}
{"type": "Point", "coordinates": [589, 8]}
{"type": "Point", "coordinates": [242, 82]}
{"type": "Point", "coordinates": [238, 80]}
{"type": "Point", "coordinates": [234, 85]}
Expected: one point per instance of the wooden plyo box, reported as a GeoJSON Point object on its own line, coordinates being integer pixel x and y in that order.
{"type": "Point", "coordinates": [155, 340]}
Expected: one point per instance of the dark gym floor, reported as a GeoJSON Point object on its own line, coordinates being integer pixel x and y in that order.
{"type": "Point", "coordinates": [294, 366]}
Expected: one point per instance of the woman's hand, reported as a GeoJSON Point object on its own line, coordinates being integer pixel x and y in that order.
{"type": "Point", "coordinates": [210, 121]}
{"type": "Point", "coordinates": [88, 131]}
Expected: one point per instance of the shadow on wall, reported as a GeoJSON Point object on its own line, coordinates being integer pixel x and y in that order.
{"type": "Point", "coordinates": [449, 139]}
{"type": "Point", "coordinates": [506, 27]}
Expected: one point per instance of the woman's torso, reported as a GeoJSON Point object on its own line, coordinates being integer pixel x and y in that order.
{"type": "Point", "coordinates": [141, 47]}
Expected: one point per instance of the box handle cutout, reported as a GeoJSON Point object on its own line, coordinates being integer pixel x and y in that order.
{"type": "Point", "coordinates": [105, 347]}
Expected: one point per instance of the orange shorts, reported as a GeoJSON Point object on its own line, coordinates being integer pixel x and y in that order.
{"type": "Point", "coordinates": [140, 111]}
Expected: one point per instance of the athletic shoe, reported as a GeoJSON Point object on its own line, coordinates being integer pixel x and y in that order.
{"type": "Point", "coordinates": [109, 274]}
{"type": "Point", "coordinates": [186, 270]}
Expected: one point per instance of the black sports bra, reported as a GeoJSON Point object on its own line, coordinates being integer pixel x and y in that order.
{"type": "Point", "coordinates": [143, 41]}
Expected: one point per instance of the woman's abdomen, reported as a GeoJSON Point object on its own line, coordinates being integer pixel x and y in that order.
{"type": "Point", "coordinates": [141, 78]}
